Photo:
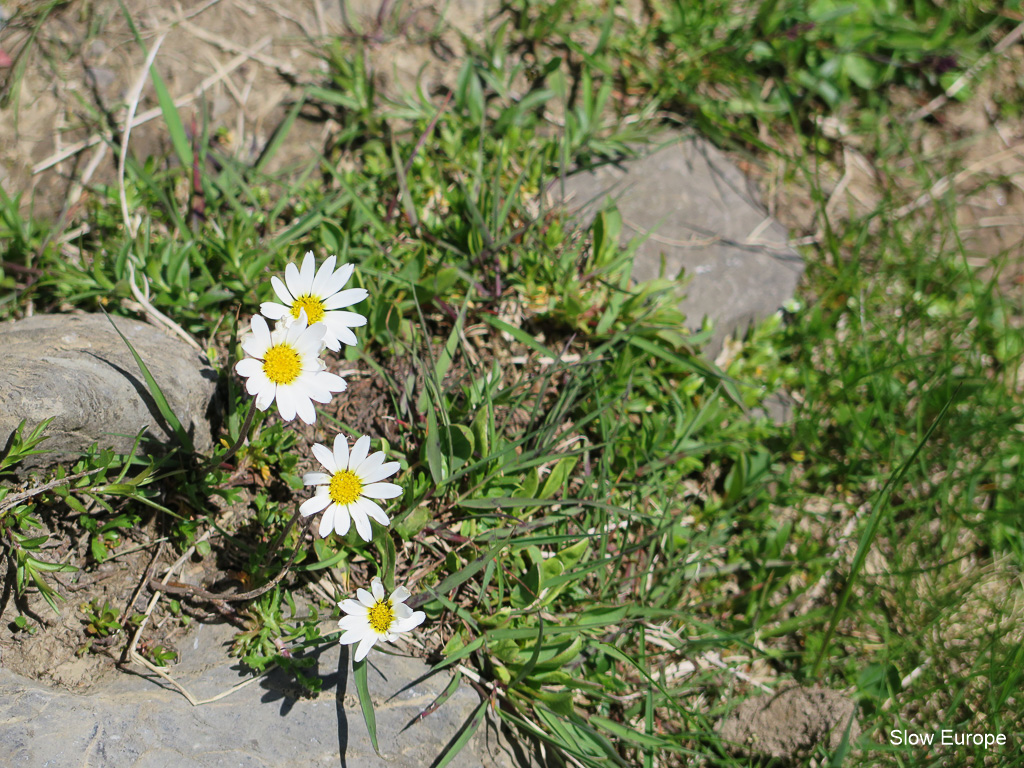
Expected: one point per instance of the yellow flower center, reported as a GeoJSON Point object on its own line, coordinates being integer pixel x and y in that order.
{"type": "Point", "coordinates": [381, 616]}
{"type": "Point", "coordinates": [313, 306]}
{"type": "Point", "coordinates": [282, 364]}
{"type": "Point", "coordinates": [345, 487]}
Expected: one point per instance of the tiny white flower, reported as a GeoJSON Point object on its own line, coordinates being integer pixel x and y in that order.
{"type": "Point", "coordinates": [347, 493]}
{"type": "Point", "coordinates": [285, 366]}
{"type": "Point", "coordinates": [318, 292]}
{"type": "Point", "coordinates": [376, 617]}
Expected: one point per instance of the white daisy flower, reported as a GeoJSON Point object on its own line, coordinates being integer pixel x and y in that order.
{"type": "Point", "coordinates": [347, 493]}
{"type": "Point", "coordinates": [285, 366]}
{"type": "Point", "coordinates": [318, 292]}
{"type": "Point", "coordinates": [373, 617]}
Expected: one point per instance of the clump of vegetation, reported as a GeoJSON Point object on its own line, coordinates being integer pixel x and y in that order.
{"type": "Point", "coordinates": [613, 548]}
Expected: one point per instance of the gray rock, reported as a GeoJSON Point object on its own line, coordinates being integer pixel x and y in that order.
{"type": "Point", "coordinates": [136, 720]}
{"type": "Point", "coordinates": [698, 212]}
{"type": "Point", "coordinates": [78, 370]}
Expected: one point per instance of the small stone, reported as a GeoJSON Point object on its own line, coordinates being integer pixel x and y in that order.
{"type": "Point", "coordinates": [698, 211]}
{"type": "Point", "coordinates": [76, 369]}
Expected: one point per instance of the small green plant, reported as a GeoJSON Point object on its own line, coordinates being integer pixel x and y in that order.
{"type": "Point", "coordinates": [22, 624]}
{"type": "Point", "coordinates": [101, 621]}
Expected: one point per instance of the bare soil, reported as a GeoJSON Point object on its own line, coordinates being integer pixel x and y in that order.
{"type": "Point", "coordinates": [791, 722]}
{"type": "Point", "coordinates": [233, 67]}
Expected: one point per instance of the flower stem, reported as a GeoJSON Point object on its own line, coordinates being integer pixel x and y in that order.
{"type": "Point", "coordinates": [243, 433]}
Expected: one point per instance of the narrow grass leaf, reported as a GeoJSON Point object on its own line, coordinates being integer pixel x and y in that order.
{"type": "Point", "coordinates": [868, 536]}
{"type": "Point", "coordinates": [359, 672]}
{"type": "Point", "coordinates": [158, 395]}
{"type": "Point", "coordinates": [471, 726]}
{"type": "Point", "coordinates": [280, 134]}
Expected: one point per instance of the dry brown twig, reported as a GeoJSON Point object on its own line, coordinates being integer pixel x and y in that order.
{"type": "Point", "coordinates": [138, 658]}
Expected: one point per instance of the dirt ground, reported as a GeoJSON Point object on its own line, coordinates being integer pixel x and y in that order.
{"type": "Point", "coordinates": [973, 147]}
{"type": "Point", "coordinates": [233, 66]}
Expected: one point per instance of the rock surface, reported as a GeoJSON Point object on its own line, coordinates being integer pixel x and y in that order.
{"type": "Point", "coordinates": [791, 722]}
{"type": "Point", "coordinates": [132, 720]}
{"type": "Point", "coordinates": [698, 211]}
{"type": "Point", "coordinates": [76, 369]}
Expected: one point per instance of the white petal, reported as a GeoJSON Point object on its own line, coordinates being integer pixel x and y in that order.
{"type": "Point", "coordinates": [338, 279]}
{"type": "Point", "coordinates": [400, 595]}
{"type": "Point", "coordinates": [359, 451]}
{"type": "Point", "coordinates": [327, 521]}
{"type": "Point", "coordinates": [341, 319]}
{"type": "Point", "coordinates": [379, 473]}
{"type": "Point", "coordinates": [354, 636]}
{"type": "Point", "coordinates": [345, 336]}
{"type": "Point", "coordinates": [370, 463]}
{"type": "Point", "coordinates": [273, 310]}
{"type": "Point", "coordinates": [292, 279]}
{"type": "Point", "coordinates": [404, 625]}
{"type": "Point", "coordinates": [314, 504]}
{"type": "Point", "coordinates": [402, 611]}
{"type": "Point", "coordinates": [331, 343]}
{"type": "Point", "coordinates": [331, 382]}
{"type": "Point", "coordinates": [282, 328]}
{"type": "Point", "coordinates": [364, 647]}
{"type": "Point", "coordinates": [313, 390]}
{"type": "Point", "coordinates": [252, 347]}
{"type": "Point", "coordinates": [312, 339]}
{"type": "Point", "coordinates": [353, 607]}
{"type": "Point", "coordinates": [323, 276]}
{"type": "Point", "coordinates": [304, 408]}
{"type": "Point", "coordinates": [346, 298]}
{"type": "Point", "coordinates": [325, 457]}
{"type": "Point", "coordinates": [295, 330]}
{"type": "Point", "coordinates": [382, 490]}
{"type": "Point", "coordinates": [340, 451]}
{"type": "Point", "coordinates": [341, 520]}
{"type": "Point", "coordinates": [306, 273]}
{"type": "Point", "coordinates": [258, 385]}
{"type": "Point", "coordinates": [315, 478]}
{"type": "Point", "coordinates": [361, 520]}
{"type": "Point", "coordinates": [260, 330]}
{"type": "Point", "coordinates": [352, 622]}
{"type": "Point", "coordinates": [377, 588]}
{"type": "Point", "coordinates": [371, 509]}
{"type": "Point", "coordinates": [250, 366]}
{"type": "Point", "coordinates": [285, 404]}
{"type": "Point", "coordinates": [282, 293]}
{"type": "Point", "coordinates": [365, 598]}
{"type": "Point", "coordinates": [265, 396]}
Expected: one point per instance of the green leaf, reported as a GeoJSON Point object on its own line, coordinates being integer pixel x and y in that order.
{"type": "Point", "coordinates": [471, 726]}
{"type": "Point", "coordinates": [860, 70]}
{"type": "Point", "coordinates": [628, 734]}
{"type": "Point", "coordinates": [386, 548]}
{"type": "Point", "coordinates": [359, 670]}
{"type": "Point", "coordinates": [175, 128]}
{"type": "Point", "coordinates": [280, 134]}
{"type": "Point", "coordinates": [557, 477]}
{"type": "Point", "coordinates": [156, 392]}
{"type": "Point", "coordinates": [433, 449]}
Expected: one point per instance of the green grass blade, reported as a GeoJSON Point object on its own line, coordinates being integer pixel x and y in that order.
{"type": "Point", "coordinates": [280, 135]}
{"type": "Point", "coordinates": [359, 671]}
{"type": "Point", "coordinates": [175, 128]}
{"type": "Point", "coordinates": [158, 395]}
{"type": "Point", "coordinates": [471, 726]}
{"type": "Point", "coordinates": [864, 545]}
